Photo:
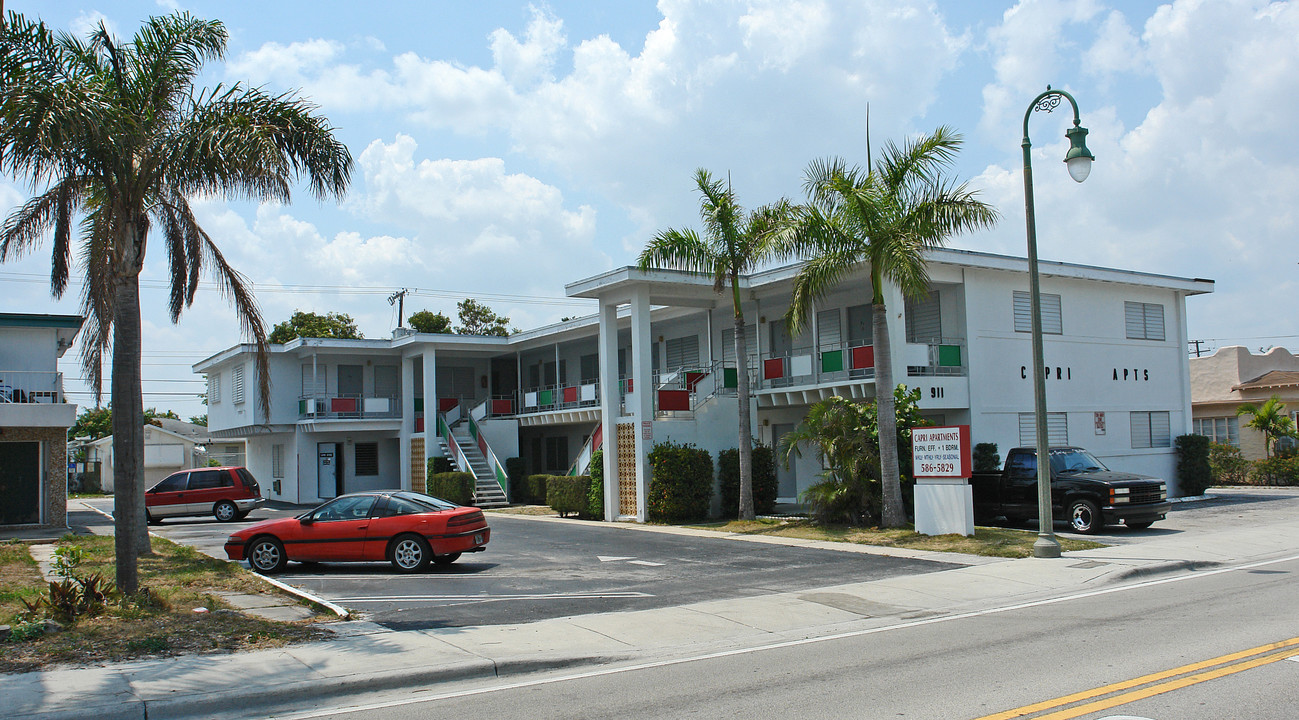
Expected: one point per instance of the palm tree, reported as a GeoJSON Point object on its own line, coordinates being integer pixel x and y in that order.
{"type": "Point", "coordinates": [1271, 419]}
{"type": "Point", "coordinates": [118, 134]}
{"type": "Point", "coordinates": [734, 244]}
{"type": "Point", "coordinates": [885, 218]}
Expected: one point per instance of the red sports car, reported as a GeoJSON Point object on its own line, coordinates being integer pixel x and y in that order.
{"type": "Point", "coordinates": [408, 529]}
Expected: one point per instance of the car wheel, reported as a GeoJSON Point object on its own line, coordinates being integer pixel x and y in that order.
{"type": "Point", "coordinates": [1084, 516]}
{"type": "Point", "coordinates": [266, 555]}
{"type": "Point", "coordinates": [409, 553]}
{"type": "Point", "coordinates": [445, 559]}
{"type": "Point", "coordinates": [1139, 525]}
{"type": "Point", "coordinates": [225, 511]}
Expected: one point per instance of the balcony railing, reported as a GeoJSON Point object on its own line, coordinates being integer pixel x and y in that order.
{"type": "Point", "coordinates": [831, 363]}
{"type": "Point", "coordinates": [558, 397]}
{"type": "Point", "coordinates": [937, 357]}
{"type": "Point", "coordinates": [347, 407]}
{"type": "Point", "coordinates": [31, 386]}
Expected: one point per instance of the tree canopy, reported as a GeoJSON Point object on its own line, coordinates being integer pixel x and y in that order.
{"type": "Point", "coordinates": [426, 321]}
{"type": "Point", "coordinates": [479, 319]}
{"type": "Point", "coordinates": [312, 325]}
{"type": "Point", "coordinates": [96, 423]}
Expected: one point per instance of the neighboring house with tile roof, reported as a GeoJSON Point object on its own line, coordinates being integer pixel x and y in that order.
{"type": "Point", "coordinates": [1233, 376]}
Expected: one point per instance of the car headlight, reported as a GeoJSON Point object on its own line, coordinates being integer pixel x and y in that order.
{"type": "Point", "coordinates": [1119, 495]}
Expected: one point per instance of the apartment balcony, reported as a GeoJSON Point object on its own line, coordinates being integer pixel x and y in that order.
{"type": "Point", "coordinates": [34, 399]}
{"type": "Point", "coordinates": [359, 412]}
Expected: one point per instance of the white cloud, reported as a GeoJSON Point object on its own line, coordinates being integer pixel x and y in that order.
{"type": "Point", "coordinates": [87, 23]}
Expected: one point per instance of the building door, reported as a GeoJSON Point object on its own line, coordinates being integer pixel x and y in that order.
{"type": "Point", "coordinates": [786, 477]}
{"type": "Point", "coordinates": [329, 478]}
{"type": "Point", "coordinates": [20, 483]}
{"type": "Point", "coordinates": [350, 383]}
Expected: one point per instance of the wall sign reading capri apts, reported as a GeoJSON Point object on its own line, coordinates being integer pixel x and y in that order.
{"type": "Point", "coordinates": [941, 452]}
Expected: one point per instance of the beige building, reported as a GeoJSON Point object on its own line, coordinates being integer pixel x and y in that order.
{"type": "Point", "coordinates": [1231, 377]}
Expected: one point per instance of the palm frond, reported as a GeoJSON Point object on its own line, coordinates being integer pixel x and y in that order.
{"type": "Point", "coordinates": [233, 288]}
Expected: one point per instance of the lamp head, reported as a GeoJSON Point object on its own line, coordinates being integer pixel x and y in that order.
{"type": "Point", "coordinates": [1079, 158]}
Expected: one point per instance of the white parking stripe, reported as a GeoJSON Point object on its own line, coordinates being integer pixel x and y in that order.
{"type": "Point", "coordinates": [497, 598]}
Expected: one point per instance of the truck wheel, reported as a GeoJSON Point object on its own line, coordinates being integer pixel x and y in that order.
{"type": "Point", "coordinates": [1084, 516]}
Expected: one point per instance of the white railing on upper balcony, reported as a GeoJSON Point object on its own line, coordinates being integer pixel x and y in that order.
{"type": "Point", "coordinates": [681, 391]}
{"type": "Point", "coordinates": [560, 397]}
{"type": "Point", "coordinates": [347, 407]}
{"type": "Point", "coordinates": [833, 362]}
{"type": "Point", "coordinates": [936, 357]}
{"type": "Point", "coordinates": [31, 386]}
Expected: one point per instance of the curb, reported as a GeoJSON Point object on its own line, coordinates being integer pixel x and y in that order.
{"type": "Point", "coordinates": [1164, 567]}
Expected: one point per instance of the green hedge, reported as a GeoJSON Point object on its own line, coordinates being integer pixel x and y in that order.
{"type": "Point", "coordinates": [440, 464]}
{"type": "Point", "coordinates": [681, 483]}
{"type": "Point", "coordinates": [1228, 466]}
{"type": "Point", "coordinates": [764, 480]}
{"type": "Point", "coordinates": [516, 469]}
{"type": "Point", "coordinates": [567, 493]}
{"type": "Point", "coordinates": [532, 490]}
{"type": "Point", "coordinates": [456, 487]}
{"type": "Point", "coordinates": [595, 493]}
{"type": "Point", "coordinates": [1275, 471]}
{"type": "Point", "coordinates": [1193, 472]}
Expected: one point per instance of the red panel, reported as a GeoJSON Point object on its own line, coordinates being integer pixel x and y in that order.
{"type": "Point", "coordinates": [862, 357]}
{"type": "Point", "coordinates": [773, 368]}
{"type": "Point", "coordinates": [419, 425]}
{"type": "Point", "coordinates": [503, 407]}
{"type": "Point", "coordinates": [693, 378]}
{"type": "Point", "coordinates": [570, 394]}
{"type": "Point", "coordinates": [445, 404]}
{"type": "Point", "coordinates": [628, 381]}
{"type": "Point", "coordinates": [342, 405]}
{"type": "Point", "coordinates": [674, 399]}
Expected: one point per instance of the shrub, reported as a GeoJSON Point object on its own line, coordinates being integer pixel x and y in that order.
{"type": "Point", "coordinates": [72, 598]}
{"type": "Point", "coordinates": [764, 480]}
{"type": "Point", "coordinates": [440, 464]}
{"type": "Point", "coordinates": [456, 487]}
{"type": "Point", "coordinates": [567, 493]}
{"type": "Point", "coordinates": [595, 492]}
{"type": "Point", "coordinates": [516, 469]}
{"type": "Point", "coordinates": [1193, 472]}
{"type": "Point", "coordinates": [681, 483]}
{"type": "Point", "coordinates": [536, 489]}
{"type": "Point", "coordinates": [854, 501]}
{"type": "Point", "coordinates": [986, 458]}
{"type": "Point", "coordinates": [1227, 465]}
{"type": "Point", "coordinates": [1275, 471]}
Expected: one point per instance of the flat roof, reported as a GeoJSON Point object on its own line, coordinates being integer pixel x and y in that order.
{"type": "Point", "coordinates": [37, 320]}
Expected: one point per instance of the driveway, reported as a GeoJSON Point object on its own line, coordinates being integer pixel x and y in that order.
{"type": "Point", "coordinates": [534, 569]}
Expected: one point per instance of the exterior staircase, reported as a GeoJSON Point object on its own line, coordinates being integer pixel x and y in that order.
{"type": "Point", "coordinates": [487, 491]}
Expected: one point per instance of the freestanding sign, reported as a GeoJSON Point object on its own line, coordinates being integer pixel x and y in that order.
{"type": "Point", "coordinates": [941, 462]}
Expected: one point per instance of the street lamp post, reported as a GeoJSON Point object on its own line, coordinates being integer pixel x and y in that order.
{"type": "Point", "coordinates": [1079, 160]}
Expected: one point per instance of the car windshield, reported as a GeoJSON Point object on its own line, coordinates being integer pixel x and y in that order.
{"type": "Point", "coordinates": [1075, 460]}
{"type": "Point", "coordinates": [427, 500]}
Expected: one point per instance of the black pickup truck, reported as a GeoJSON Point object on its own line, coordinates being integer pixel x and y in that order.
{"type": "Point", "coordinates": [1083, 491]}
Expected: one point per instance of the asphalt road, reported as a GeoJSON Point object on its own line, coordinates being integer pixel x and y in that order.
{"type": "Point", "coordinates": [1159, 650]}
{"type": "Point", "coordinates": [533, 570]}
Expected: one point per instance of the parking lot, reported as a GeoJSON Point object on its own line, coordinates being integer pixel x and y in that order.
{"type": "Point", "coordinates": [534, 569]}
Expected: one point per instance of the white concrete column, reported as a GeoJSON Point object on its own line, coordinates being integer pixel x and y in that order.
{"type": "Point", "coordinates": [608, 345]}
{"type": "Point", "coordinates": [407, 420]}
{"type": "Point", "coordinates": [430, 405]}
{"type": "Point", "coordinates": [897, 308]}
{"type": "Point", "coordinates": [642, 393]}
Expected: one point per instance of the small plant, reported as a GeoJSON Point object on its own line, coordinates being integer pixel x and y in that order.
{"type": "Point", "coordinates": [25, 631]}
{"type": "Point", "coordinates": [1227, 464]}
{"type": "Point", "coordinates": [72, 598]}
{"type": "Point", "coordinates": [595, 495]}
{"type": "Point", "coordinates": [66, 560]}
{"type": "Point", "coordinates": [986, 458]}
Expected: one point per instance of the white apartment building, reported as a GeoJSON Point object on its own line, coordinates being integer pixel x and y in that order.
{"type": "Point", "coordinates": [349, 415]}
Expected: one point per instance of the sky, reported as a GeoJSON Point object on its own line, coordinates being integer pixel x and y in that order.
{"type": "Point", "coordinates": [504, 149]}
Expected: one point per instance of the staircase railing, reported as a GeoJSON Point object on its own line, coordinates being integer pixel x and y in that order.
{"type": "Point", "coordinates": [492, 462]}
{"type": "Point", "coordinates": [592, 444]}
{"type": "Point", "coordinates": [457, 454]}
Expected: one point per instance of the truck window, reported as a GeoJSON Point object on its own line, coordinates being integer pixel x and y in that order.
{"type": "Point", "coordinates": [1022, 464]}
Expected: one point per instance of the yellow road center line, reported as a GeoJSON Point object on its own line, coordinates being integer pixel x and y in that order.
{"type": "Point", "coordinates": [1144, 680]}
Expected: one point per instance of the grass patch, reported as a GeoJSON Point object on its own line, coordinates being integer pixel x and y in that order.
{"type": "Point", "coordinates": [989, 541]}
{"type": "Point", "coordinates": [159, 621]}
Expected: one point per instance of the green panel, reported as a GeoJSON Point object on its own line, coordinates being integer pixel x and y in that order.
{"type": "Point", "coordinates": [730, 378]}
{"type": "Point", "coordinates": [302, 407]}
{"type": "Point", "coordinates": [832, 361]}
{"type": "Point", "coordinates": [949, 355]}
{"type": "Point", "coordinates": [473, 428]}
{"type": "Point", "coordinates": [545, 397]}
{"type": "Point", "coordinates": [419, 404]}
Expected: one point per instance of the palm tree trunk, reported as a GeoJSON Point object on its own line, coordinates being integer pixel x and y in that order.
{"type": "Point", "coordinates": [746, 428]}
{"type": "Point", "coordinates": [895, 514]}
{"type": "Point", "coordinates": [128, 433]}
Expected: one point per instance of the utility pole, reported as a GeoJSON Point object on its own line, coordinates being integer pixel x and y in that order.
{"type": "Point", "coordinates": [1197, 344]}
{"type": "Point", "coordinates": [398, 298]}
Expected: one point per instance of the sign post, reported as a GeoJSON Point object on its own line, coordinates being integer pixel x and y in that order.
{"type": "Point", "coordinates": [942, 465]}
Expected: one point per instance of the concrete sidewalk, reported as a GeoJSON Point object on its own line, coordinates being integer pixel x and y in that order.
{"type": "Point", "coordinates": [364, 657]}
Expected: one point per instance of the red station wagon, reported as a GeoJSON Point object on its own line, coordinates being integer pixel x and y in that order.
{"type": "Point", "coordinates": [408, 529]}
{"type": "Point", "coordinates": [228, 493]}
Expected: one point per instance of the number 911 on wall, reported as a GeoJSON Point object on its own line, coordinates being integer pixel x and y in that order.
{"type": "Point", "coordinates": [941, 452]}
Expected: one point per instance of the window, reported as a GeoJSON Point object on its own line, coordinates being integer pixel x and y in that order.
{"type": "Point", "coordinates": [827, 329]}
{"type": "Point", "coordinates": [277, 461]}
{"type": "Point", "coordinates": [1145, 321]}
{"type": "Point", "coordinates": [173, 483]}
{"type": "Point", "coordinates": [1220, 430]}
{"type": "Point", "coordinates": [237, 384]}
{"type": "Point", "coordinates": [683, 352]}
{"type": "Point", "coordinates": [728, 345]}
{"type": "Point", "coordinates": [557, 453]}
{"type": "Point", "coordinates": [365, 459]}
{"type": "Point", "coordinates": [1057, 429]}
{"type": "Point", "coordinates": [1151, 429]}
{"type": "Point", "coordinates": [1051, 322]}
{"type": "Point", "coordinates": [924, 321]}
{"type": "Point", "coordinates": [590, 368]}
{"type": "Point", "coordinates": [401, 506]}
{"type": "Point", "coordinates": [209, 479]}
{"type": "Point", "coordinates": [214, 388]}
{"type": "Point", "coordinates": [356, 507]}
{"type": "Point", "coordinates": [860, 329]}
